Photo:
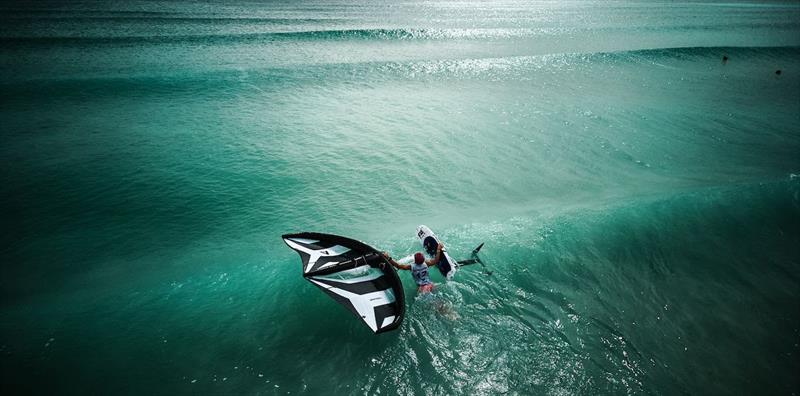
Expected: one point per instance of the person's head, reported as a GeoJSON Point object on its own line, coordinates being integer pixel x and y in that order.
{"type": "Point", "coordinates": [419, 258]}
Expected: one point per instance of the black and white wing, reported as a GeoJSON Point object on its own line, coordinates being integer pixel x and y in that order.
{"type": "Point", "coordinates": [354, 274]}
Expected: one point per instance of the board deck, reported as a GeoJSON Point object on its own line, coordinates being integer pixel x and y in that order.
{"type": "Point", "coordinates": [446, 265]}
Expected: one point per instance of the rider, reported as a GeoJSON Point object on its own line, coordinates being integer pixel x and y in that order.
{"type": "Point", "coordinates": [419, 270]}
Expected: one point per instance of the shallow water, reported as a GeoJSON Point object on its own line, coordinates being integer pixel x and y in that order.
{"type": "Point", "coordinates": [639, 198]}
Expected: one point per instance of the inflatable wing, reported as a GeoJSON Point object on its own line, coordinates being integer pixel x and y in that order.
{"type": "Point", "coordinates": [355, 275]}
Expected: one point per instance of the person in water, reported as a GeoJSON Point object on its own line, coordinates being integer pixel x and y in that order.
{"type": "Point", "coordinates": [419, 270]}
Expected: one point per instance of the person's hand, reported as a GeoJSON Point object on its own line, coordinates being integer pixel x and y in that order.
{"type": "Point", "coordinates": [440, 247]}
{"type": "Point", "coordinates": [386, 255]}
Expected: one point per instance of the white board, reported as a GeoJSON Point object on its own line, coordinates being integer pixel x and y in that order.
{"type": "Point", "coordinates": [429, 241]}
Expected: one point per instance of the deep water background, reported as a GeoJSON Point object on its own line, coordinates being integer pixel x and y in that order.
{"type": "Point", "coordinates": [639, 198]}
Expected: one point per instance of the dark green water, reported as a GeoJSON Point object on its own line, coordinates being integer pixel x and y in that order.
{"type": "Point", "coordinates": [639, 197]}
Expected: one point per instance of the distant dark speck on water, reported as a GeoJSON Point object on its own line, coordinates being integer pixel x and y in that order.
{"type": "Point", "coordinates": [778, 72]}
{"type": "Point", "coordinates": [724, 59]}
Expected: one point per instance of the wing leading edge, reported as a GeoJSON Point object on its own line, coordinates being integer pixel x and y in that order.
{"type": "Point", "coordinates": [354, 274]}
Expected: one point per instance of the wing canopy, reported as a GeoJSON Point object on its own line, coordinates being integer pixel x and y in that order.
{"type": "Point", "coordinates": [354, 274]}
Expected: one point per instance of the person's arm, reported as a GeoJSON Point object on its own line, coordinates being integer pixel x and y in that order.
{"type": "Point", "coordinates": [395, 263]}
{"type": "Point", "coordinates": [435, 260]}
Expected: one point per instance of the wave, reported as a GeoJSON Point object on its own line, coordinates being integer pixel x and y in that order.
{"type": "Point", "coordinates": [308, 35]}
{"type": "Point", "coordinates": [524, 63]}
{"type": "Point", "coordinates": [527, 67]}
{"type": "Point", "coordinates": [165, 17]}
{"type": "Point", "coordinates": [735, 211]}
{"type": "Point", "coordinates": [48, 11]}
{"type": "Point", "coordinates": [11, 41]}
{"type": "Point", "coordinates": [382, 34]}
{"type": "Point", "coordinates": [521, 68]}
{"type": "Point", "coordinates": [579, 290]}
{"type": "Point", "coordinates": [646, 264]}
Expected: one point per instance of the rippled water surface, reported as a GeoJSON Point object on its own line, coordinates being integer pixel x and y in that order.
{"type": "Point", "coordinates": [631, 166]}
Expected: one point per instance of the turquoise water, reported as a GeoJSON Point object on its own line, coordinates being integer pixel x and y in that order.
{"type": "Point", "coordinates": [639, 198]}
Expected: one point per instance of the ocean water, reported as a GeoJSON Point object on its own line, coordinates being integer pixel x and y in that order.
{"type": "Point", "coordinates": [639, 196]}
